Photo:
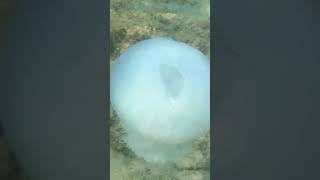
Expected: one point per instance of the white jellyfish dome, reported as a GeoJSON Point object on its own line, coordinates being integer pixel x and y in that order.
{"type": "Point", "coordinates": [160, 89]}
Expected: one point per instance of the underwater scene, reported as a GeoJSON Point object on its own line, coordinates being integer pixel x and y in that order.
{"type": "Point", "coordinates": [184, 25]}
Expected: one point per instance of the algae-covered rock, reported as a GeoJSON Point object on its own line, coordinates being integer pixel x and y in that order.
{"type": "Point", "coordinates": [129, 26]}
